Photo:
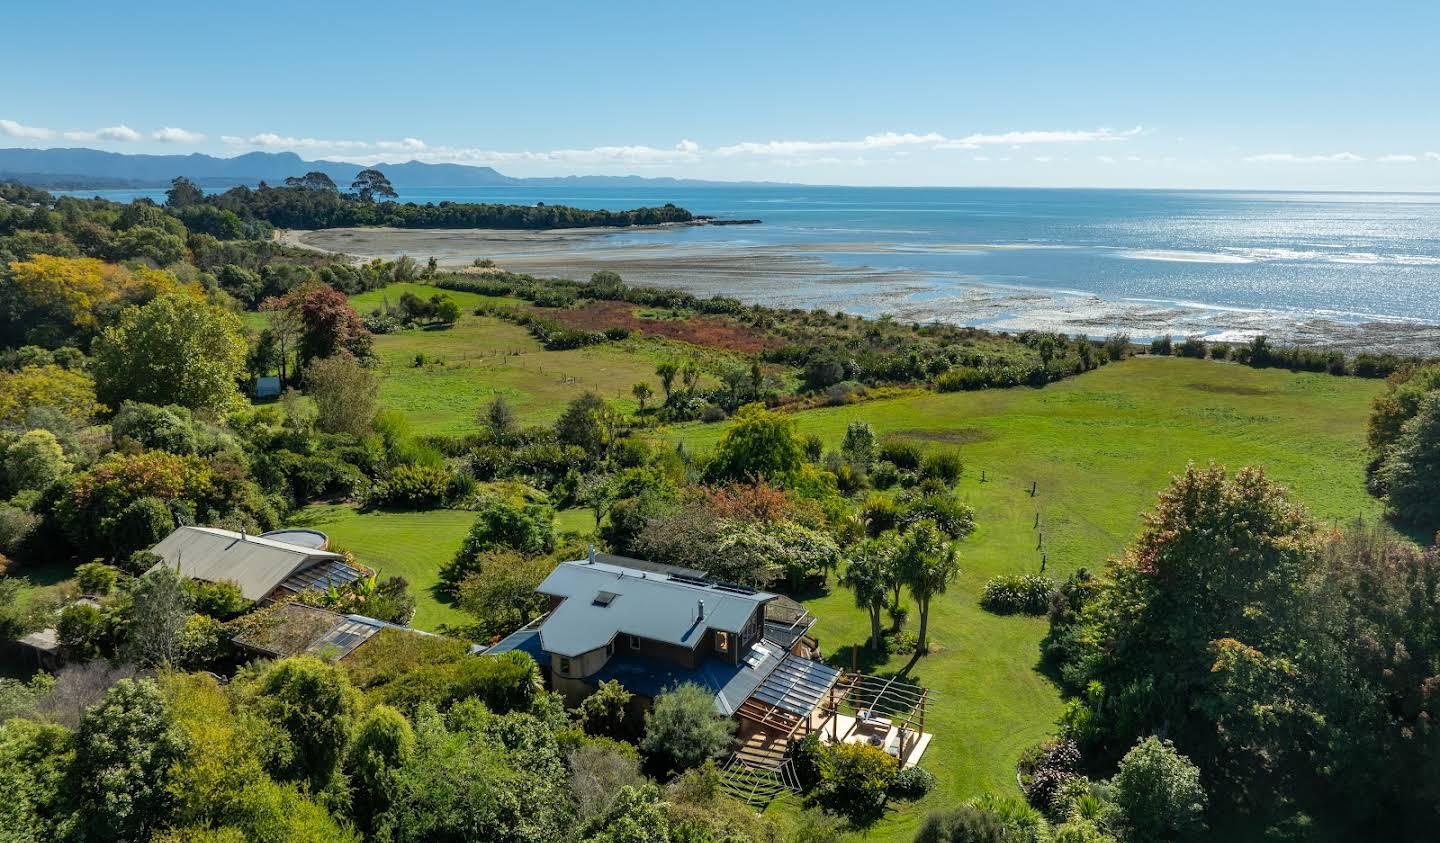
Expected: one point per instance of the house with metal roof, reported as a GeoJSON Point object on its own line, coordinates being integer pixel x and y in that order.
{"type": "Point", "coordinates": [266, 568]}
{"type": "Point", "coordinates": [652, 627]}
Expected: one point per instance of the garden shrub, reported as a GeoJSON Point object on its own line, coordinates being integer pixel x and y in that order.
{"type": "Point", "coordinates": [854, 781]}
{"type": "Point", "coordinates": [912, 783]}
{"type": "Point", "coordinates": [412, 486]}
{"type": "Point", "coordinates": [1045, 768]}
{"type": "Point", "coordinates": [903, 455]}
{"type": "Point", "coordinates": [945, 466]}
{"type": "Point", "coordinates": [95, 578]}
{"type": "Point", "coordinates": [1009, 594]}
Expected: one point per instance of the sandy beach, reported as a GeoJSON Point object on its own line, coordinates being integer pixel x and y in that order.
{"type": "Point", "coordinates": [794, 275]}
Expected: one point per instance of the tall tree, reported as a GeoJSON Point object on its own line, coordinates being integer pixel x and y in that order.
{"type": "Point", "coordinates": [175, 350]}
{"type": "Point", "coordinates": [760, 445]}
{"type": "Point", "coordinates": [183, 193]}
{"type": "Point", "coordinates": [346, 394]}
{"type": "Point", "coordinates": [161, 607]}
{"type": "Point", "coordinates": [868, 575]}
{"type": "Point", "coordinates": [328, 324]}
{"type": "Point", "coordinates": [313, 180]}
{"type": "Point", "coordinates": [370, 183]}
{"type": "Point", "coordinates": [667, 372]}
{"type": "Point", "coordinates": [927, 564]}
{"type": "Point", "coordinates": [125, 752]}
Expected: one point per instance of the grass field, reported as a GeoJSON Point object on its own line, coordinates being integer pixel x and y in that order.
{"type": "Point", "coordinates": [412, 545]}
{"type": "Point", "coordinates": [1098, 447]}
{"type": "Point", "coordinates": [480, 357]}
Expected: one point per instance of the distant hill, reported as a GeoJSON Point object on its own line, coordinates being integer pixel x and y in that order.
{"type": "Point", "coordinates": [93, 168]}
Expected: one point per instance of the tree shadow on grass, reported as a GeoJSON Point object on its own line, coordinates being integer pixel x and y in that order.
{"type": "Point", "coordinates": [865, 658]}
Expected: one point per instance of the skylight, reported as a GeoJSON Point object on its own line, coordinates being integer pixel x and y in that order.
{"type": "Point", "coordinates": [604, 598]}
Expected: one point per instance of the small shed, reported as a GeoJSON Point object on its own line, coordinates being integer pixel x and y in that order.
{"type": "Point", "coordinates": [267, 387]}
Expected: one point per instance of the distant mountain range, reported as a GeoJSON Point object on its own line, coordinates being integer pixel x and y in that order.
{"type": "Point", "coordinates": [78, 169]}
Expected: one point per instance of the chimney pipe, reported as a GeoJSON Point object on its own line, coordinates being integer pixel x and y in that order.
{"type": "Point", "coordinates": [702, 611]}
{"type": "Point", "coordinates": [592, 554]}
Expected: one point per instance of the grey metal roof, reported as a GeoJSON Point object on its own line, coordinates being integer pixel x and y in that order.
{"type": "Point", "coordinates": [254, 563]}
{"type": "Point", "coordinates": [657, 606]}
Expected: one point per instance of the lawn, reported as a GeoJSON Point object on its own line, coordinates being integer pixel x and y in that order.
{"type": "Point", "coordinates": [412, 545]}
{"type": "Point", "coordinates": [1098, 448]}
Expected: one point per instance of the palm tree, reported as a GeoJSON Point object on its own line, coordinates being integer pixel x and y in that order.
{"type": "Point", "coordinates": [667, 372]}
{"type": "Point", "coordinates": [927, 564]}
{"type": "Point", "coordinates": [642, 393]}
{"type": "Point", "coordinates": [690, 375]}
{"type": "Point", "coordinates": [868, 574]}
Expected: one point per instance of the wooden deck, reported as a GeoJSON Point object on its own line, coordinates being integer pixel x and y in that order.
{"type": "Point", "coordinates": [848, 730]}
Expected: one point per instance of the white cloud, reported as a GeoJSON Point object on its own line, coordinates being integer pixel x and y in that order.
{"type": "Point", "coordinates": [884, 140]}
{"type": "Point", "coordinates": [1432, 156]}
{"type": "Point", "coordinates": [1044, 159]}
{"type": "Point", "coordinates": [170, 134]}
{"type": "Point", "coordinates": [17, 130]}
{"type": "Point", "coordinates": [981, 158]}
{"type": "Point", "coordinates": [1291, 158]}
{"type": "Point", "coordinates": [121, 133]}
{"type": "Point", "coordinates": [1396, 159]}
{"type": "Point", "coordinates": [271, 140]}
{"type": "Point", "coordinates": [1014, 139]}
{"type": "Point", "coordinates": [1106, 159]}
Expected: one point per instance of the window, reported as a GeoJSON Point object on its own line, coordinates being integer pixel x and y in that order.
{"type": "Point", "coordinates": [634, 641]}
{"type": "Point", "coordinates": [565, 666]}
{"type": "Point", "coordinates": [722, 642]}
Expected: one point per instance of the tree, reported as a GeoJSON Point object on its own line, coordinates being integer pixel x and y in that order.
{"type": "Point", "coordinates": [175, 350]}
{"type": "Point", "coordinates": [759, 445]}
{"type": "Point", "coordinates": [927, 564]}
{"type": "Point", "coordinates": [854, 781]}
{"type": "Point", "coordinates": [81, 632]}
{"type": "Point", "coordinates": [346, 394]}
{"type": "Point", "coordinates": [328, 324]}
{"type": "Point", "coordinates": [1411, 467]}
{"type": "Point", "coordinates": [383, 743]}
{"type": "Point", "coordinates": [315, 704]}
{"type": "Point", "coordinates": [370, 183]}
{"type": "Point", "coordinates": [69, 393]}
{"type": "Point", "coordinates": [125, 751]}
{"type": "Point", "coordinates": [1219, 558]}
{"type": "Point", "coordinates": [667, 372]}
{"type": "Point", "coordinates": [157, 618]}
{"type": "Point", "coordinates": [500, 419]}
{"type": "Point", "coordinates": [1158, 792]}
{"type": "Point", "coordinates": [690, 376]}
{"type": "Point", "coordinates": [503, 523]}
{"type": "Point", "coordinates": [858, 447]}
{"type": "Point", "coordinates": [313, 180]}
{"type": "Point", "coordinates": [602, 714]}
{"type": "Point", "coordinates": [587, 423]}
{"type": "Point", "coordinates": [869, 575]}
{"type": "Point", "coordinates": [139, 526]}
{"type": "Point", "coordinates": [642, 393]}
{"type": "Point", "coordinates": [684, 728]}
{"type": "Point", "coordinates": [183, 193]}
{"type": "Point", "coordinates": [598, 770]}
{"type": "Point", "coordinates": [498, 589]}
{"type": "Point", "coordinates": [635, 815]}
{"type": "Point", "coordinates": [34, 461]}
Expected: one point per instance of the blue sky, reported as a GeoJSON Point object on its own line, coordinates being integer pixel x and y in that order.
{"type": "Point", "coordinates": [1316, 95]}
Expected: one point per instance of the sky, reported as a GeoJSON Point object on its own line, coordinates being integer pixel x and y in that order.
{"type": "Point", "coordinates": [1258, 94]}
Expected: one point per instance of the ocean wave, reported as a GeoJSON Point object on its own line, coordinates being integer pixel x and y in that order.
{"type": "Point", "coordinates": [1179, 256]}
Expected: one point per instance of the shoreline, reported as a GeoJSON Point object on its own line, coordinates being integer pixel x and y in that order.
{"type": "Point", "coordinates": [769, 275]}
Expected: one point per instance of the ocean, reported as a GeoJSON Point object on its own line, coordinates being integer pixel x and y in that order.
{"type": "Point", "coordinates": [1225, 264]}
